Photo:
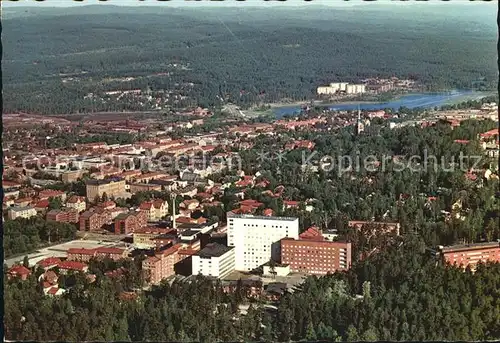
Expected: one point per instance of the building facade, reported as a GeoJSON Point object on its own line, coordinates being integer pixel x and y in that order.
{"type": "Point", "coordinates": [469, 255]}
{"type": "Point", "coordinates": [112, 187]}
{"type": "Point", "coordinates": [161, 266]}
{"type": "Point", "coordinates": [21, 212]}
{"type": "Point", "coordinates": [126, 223]}
{"type": "Point", "coordinates": [256, 239]}
{"type": "Point", "coordinates": [214, 260]}
{"type": "Point", "coordinates": [317, 257]}
{"type": "Point", "coordinates": [64, 215]}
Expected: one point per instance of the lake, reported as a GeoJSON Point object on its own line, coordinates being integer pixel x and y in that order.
{"type": "Point", "coordinates": [423, 100]}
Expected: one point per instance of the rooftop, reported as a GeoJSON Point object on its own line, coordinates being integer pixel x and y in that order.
{"type": "Point", "coordinates": [460, 247]}
{"type": "Point", "coordinates": [251, 216]}
{"type": "Point", "coordinates": [213, 250]}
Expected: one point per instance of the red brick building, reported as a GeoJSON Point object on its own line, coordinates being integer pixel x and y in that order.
{"type": "Point", "coordinates": [161, 266]}
{"type": "Point", "coordinates": [126, 223]}
{"type": "Point", "coordinates": [470, 254]}
{"type": "Point", "coordinates": [64, 215]}
{"type": "Point", "coordinates": [94, 219]}
{"type": "Point", "coordinates": [84, 255]}
{"type": "Point", "coordinates": [312, 254]}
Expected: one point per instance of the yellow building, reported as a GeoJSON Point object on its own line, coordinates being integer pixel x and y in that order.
{"type": "Point", "coordinates": [112, 187]}
{"type": "Point", "coordinates": [21, 212]}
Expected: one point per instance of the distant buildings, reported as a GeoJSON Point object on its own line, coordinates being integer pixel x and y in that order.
{"type": "Point", "coordinates": [256, 239]}
{"type": "Point", "coordinates": [214, 260]}
{"type": "Point", "coordinates": [341, 87]}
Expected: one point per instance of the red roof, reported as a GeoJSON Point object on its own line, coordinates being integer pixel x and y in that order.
{"type": "Point", "coordinates": [146, 206]}
{"type": "Point", "coordinates": [50, 261]}
{"type": "Point", "coordinates": [42, 204]}
{"type": "Point", "coordinates": [53, 290]}
{"type": "Point", "coordinates": [312, 233]}
{"type": "Point", "coordinates": [81, 251]}
{"type": "Point", "coordinates": [461, 141]}
{"type": "Point", "coordinates": [72, 265]}
{"type": "Point", "coordinates": [19, 270]}
{"type": "Point", "coordinates": [490, 133]}
{"type": "Point", "coordinates": [291, 203]}
{"type": "Point", "coordinates": [109, 250]}
{"type": "Point", "coordinates": [268, 212]}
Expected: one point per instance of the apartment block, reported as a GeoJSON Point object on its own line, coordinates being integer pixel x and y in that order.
{"type": "Point", "coordinates": [155, 210]}
{"type": "Point", "coordinates": [78, 203]}
{"type": "Point", "coordinates": [112, 187]}
{"type": "Point", "coordinates": [84, 255]}
{"type": "Point", "coordinates": [64, 215]}
{"type": "Point", "coordinates": [126, 223]}
{"type": "Point", "coordinates": [21, 212]}
{"type": "Point", "coordinates": [214, 260]}
{"type": "Point", "coordinates": [315, 256]}
{"type": "Point", "coordinates": [469, 255]}
{"type": "Point", "coordinates": [161, 266]}
{"type": "Point", "coordinates": [147, 237]}
{"type": "Point", "coordinates": [256, 239]}
{"type": "Point", "coordinates": [94, 219]}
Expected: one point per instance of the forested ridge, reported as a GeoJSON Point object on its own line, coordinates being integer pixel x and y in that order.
{"type": "Point", "coordinates": [399, 294]}
{"type": "Point", "coordinates": [268, 54]}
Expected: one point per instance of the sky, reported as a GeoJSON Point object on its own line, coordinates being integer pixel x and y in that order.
{"type": "Point", "coordinates": [226, 3]}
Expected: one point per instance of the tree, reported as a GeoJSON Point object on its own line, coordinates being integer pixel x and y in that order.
{"type": "Point", "coordinates": [26, 262]}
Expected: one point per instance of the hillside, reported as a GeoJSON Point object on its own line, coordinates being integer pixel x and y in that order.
{"type": "Point", "coordinates": [284, 52]}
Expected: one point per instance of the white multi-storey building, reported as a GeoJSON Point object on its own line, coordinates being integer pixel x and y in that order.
{"type": "Point", "coordinates": [214, 260]}
{"type": "Point", "coordinates": [256, 239]}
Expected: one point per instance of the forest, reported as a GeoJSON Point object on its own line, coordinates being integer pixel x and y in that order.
{"type": "Point", "coordinates": [53, 60]}
{"type": "Point", "coordinates": [401, 293]}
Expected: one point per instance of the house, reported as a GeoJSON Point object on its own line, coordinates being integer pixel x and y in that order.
{"type": "Point", "coordinates": [49, 263]}
{"type": "Point", "coordinates": [290, 204]}
{"type": "Point", "coordinates": [18, 271]}
{"type": "Point", "coordinates": [189, 204]}
{"type": "Point", "coordinates": [77, 202]}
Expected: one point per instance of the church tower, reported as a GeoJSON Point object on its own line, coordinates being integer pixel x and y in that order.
{"type": "Point", "coordinates": [360, 126]}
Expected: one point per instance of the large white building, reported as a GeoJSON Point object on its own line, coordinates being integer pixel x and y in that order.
{"type": "Point", "coordinates": [213, 260]}
{"type": "Point", "coordinates": [256, 239]}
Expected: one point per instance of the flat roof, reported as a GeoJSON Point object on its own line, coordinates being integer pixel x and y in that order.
{"type": "Point", "coordinates": [461, 247]}
{"type": "Point", "coordinates": [213, 250]}
{"type": "Point", "coordinates": [251, 216]}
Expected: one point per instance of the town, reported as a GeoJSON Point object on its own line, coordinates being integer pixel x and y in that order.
{"type": "Point", "coordinates": [163, 200]}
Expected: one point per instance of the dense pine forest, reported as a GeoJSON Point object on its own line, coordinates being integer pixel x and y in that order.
{"type": "Point", "coordinates": [400, 294]}
{"type": "Point", "coordinates": [53, 59]}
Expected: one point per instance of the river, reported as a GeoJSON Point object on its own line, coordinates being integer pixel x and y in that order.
{"type": "Point", "coordinates": [422, 100]}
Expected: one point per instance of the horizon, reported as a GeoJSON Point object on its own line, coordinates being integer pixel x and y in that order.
{"type": "Point", "coordinates": [228, 4]}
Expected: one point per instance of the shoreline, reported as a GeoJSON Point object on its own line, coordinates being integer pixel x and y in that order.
{"type": "Point", "coordinates": [458, 99]}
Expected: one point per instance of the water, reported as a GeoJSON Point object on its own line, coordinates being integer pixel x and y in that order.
{"type": "Point", "coordinates": [422, 100]}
